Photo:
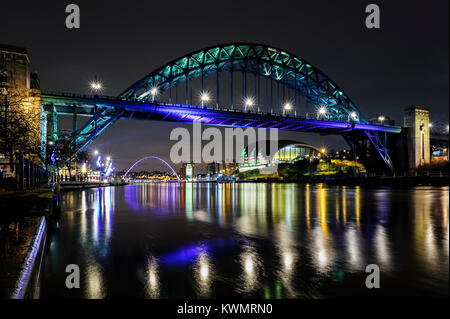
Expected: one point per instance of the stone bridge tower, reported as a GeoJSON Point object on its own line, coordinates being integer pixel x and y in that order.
{"type": "Point", "coordinates": [416, 122]}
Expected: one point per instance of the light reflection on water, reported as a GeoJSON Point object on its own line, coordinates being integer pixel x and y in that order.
{"type": "Point", "coordinates": [260, 240]}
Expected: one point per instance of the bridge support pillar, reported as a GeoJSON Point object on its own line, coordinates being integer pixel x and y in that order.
{"type": "Point", "coordinates": [74, 122]}
{"type": "Point", "coordinates": [416, 123]}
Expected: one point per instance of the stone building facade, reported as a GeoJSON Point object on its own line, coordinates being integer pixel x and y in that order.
{"type": "Point", "coordinates": [19, 94]}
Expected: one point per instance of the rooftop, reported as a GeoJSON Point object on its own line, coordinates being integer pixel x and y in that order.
{"type": "Point", "coordinates": [13, 48]}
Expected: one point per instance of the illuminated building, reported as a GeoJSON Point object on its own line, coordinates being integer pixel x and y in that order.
{"type": "Point", "coordinates": [187, 171]}
{"type": "Point", "coordinates": [20, 95]}
{"type": "Point", "coordinates": [288, 152]}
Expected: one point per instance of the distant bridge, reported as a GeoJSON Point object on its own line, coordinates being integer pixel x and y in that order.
{"type": "Point", "coordinates": [276, 89]}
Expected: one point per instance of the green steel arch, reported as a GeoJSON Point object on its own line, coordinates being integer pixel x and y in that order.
{"type": "Point", "coordinates": [262, 60]}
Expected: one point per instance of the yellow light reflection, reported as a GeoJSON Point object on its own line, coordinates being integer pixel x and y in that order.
{"type": "Point", "coordinates": [358, 207]}
{"type": "Point", "coordinates": [249, 279]}
{"type": "Point", "coordinates": [288, 256]}
{"type": "Point", "coordinates": [322, 208]}
{"type": "Point", "coordinates": [308, 206]}
{"type": "Point", "coordinates": [94, 282]}
{"type": "Point", "coordinates": [203, 275]}
{"type": "Point", "coordinates": [353, 248]}
{"type": "Point", "coordinates": [344, 204]}
{"type": "Point", "coordinates": [152, 284]}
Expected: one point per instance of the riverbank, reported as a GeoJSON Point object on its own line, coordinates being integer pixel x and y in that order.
{"type": "Point", "coordinates": [22, 240]}
{"type": "Point", "coordinates": [27, 203]}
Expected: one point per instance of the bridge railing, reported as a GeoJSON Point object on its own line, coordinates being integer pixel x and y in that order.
{"type": "Point", "coordinates": [188, 106]}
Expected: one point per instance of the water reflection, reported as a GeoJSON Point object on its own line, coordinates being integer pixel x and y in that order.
{"type": "Point", "coordinates": [255, 239]}
{"type": "Point", "coordinates": [251, 267]}
{"type": "Point", "coordinates": [203, 275]}
{"type": "Point", "coordinates": [94, 282]}
{"type": "Point", "coordinates": [152, 284]}
{"type": "Point", "coordinates": [288, 256]}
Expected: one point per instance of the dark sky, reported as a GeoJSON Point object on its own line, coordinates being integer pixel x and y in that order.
{"type": "Point", "coordinates": [402, 64]}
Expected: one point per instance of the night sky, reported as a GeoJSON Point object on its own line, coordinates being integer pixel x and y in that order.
{"type": "Point", "coordinates": [402, 64]}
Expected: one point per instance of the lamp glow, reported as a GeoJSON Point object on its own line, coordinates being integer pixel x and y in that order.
{"type": "Point", "coordinates": [96, 86]}
{"type": "Point", "coordinates": [249, 102]}
{"type": "Point", "coordinates": [204, 97]}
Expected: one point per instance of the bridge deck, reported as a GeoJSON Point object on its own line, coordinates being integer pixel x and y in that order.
{"type": "Point", "coordinates": [67, 104]}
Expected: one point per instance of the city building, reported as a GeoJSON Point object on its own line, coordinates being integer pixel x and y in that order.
{"type": "Point", "coordinates": [187, 171]}
{"type": "Point", "coordinates": [20, 111]}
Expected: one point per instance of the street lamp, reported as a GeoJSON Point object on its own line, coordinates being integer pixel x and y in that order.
{"type": "Point", "coordinates": [248, 103]}
{"type": "Point", "coordinates": [354, 115]}
{"type": "Point", "coordinates": [154, 93]}
{"type": "Point", "coordinates": [322, 111]}
{"type": "Point", "coordinates": [96, 86]}
{"type": "Point", "coordinates": [287, 107]}
{"type": "Point", "coordinates": [430, 125]}
{"type": "Point", "coordinates": [381, 118]}
{"type": "Point", "coordinates": [95, 152]}
{"type": "Point", "coordinates": [204, 98]}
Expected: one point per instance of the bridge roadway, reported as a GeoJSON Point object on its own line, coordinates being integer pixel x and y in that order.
{"type": "Point", "coordinates": [109, 107]}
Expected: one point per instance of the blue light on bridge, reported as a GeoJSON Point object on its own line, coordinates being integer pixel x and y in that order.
{"type": "Point", "coordinates": [99, 161]}
{"type": "Point", "coordinates": [109, 169]}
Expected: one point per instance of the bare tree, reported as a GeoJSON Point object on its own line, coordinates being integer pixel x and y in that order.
{"type": "Point", "coordinates": [19, 124]}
